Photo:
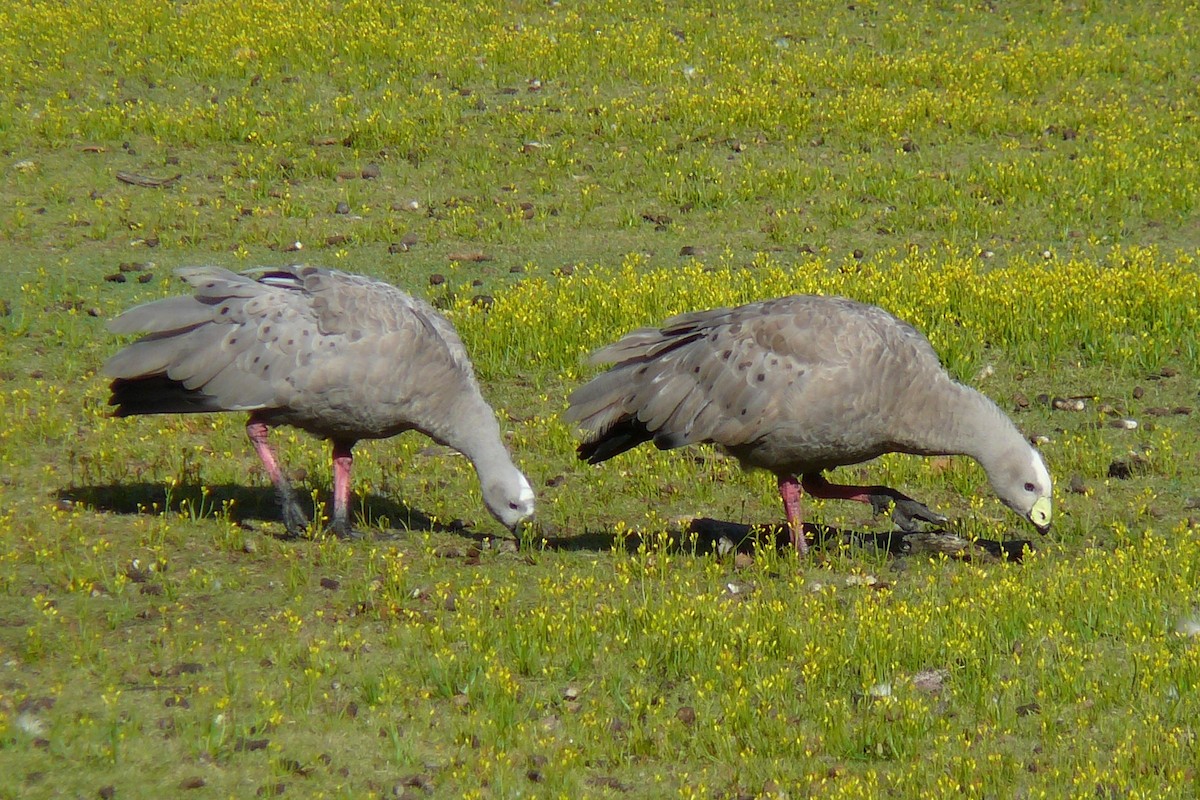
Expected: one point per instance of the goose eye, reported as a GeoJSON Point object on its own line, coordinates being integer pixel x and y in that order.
{"type": "Point", "coordinates": [514, 506]}
{"type": "Point", "coordinates": [1029, 487]}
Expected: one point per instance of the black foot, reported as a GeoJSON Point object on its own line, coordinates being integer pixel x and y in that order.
{"type": "Point", "coordinates": [342, 529]}
{"type": "Point", "coordinates": [344, 532]}
{"type": "Point", "coordinates": [294, 520]}
{"type": "Point", "coordinates": [906, 512]}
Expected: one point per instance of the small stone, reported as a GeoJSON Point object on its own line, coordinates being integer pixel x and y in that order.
{"type": "Point", "coordinates": [437, 279]}
{"type": "Point", "coordinates": [371, 171]}
{"type": "Point", "coordinates": [1189, 627]}
{"type": "Point", "coordinates": [30, 724]}
{"type": "Point", "coordinates": [1138, 392]}
{"type": "Point", "coordinates": [686, 715]}
{"type": "Point", "coordinates": [930, 681]}
{"type": "Point", "coordinates": [194, 782]}
{"type": "Point", "coordinates": [1076, 485]}
{"type": "Point", "coordinates": [342, 207]}
{"type": "Point", "coordinates": [330, 583]}
{"type": "Point", "coordinates": [1068, 404]}
{"type": "Point", "coordinates": [107, 792]}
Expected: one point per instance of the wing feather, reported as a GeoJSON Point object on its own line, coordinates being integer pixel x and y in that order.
{"type": "Point", "coordinates": [735, 376]}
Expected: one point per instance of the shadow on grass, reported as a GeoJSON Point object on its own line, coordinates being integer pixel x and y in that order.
{"type": "Point", "coordinates": [705, 535]}
{"type": "Point", "coordinates": [242, 504]}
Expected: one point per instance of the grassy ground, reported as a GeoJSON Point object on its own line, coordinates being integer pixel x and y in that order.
{"type": "Point", "coordinates": [1019, 182]}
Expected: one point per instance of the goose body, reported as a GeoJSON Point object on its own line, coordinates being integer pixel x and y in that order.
{"type": "Point", "coordinates": [342, 356]}
{"type": "Point", "coordinates": [799, 385]}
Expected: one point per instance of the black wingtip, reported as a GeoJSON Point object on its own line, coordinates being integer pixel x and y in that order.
{"type": "Point", "coordinates": [156, 394]}
{"type": "Point", "coordinates": [623, 435]}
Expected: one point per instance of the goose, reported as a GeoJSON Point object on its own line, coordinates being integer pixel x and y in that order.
{"type": "Point", "coordinates": [797, 386]}
{"type": "Point", "coordinates": [341, 356]}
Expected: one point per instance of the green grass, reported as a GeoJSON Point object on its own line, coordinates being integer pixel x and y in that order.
{"type": "Point", "coordinates": [1018, 181]}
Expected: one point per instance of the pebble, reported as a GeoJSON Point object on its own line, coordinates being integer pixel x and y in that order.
{"type": "Point", "coordinates": [1068, 404]}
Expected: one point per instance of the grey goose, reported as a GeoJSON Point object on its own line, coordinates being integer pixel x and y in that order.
{"type": "Point", "coordinates": [797, 386]}
{"type": "Point", "coordinates": [341, 356]}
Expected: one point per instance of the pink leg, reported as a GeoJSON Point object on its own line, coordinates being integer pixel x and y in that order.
{"type": "Point", "coordinates": [293, 516]}
{"type": "Point", "coordinates": [789, 490]}
{"type": "Point", "coordinates": [906, 512]}
{"type": "Point", "coordinates": [342, 461]}
{"type": "Point", "coordinates": [817, 486]}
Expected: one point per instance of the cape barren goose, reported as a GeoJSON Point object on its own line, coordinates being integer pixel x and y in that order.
{"type": "Point", "coordinates": [799, 385]}
{"type": "Point", "coordinates": [340, 356]}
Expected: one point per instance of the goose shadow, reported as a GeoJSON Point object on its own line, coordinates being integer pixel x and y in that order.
{"type": "Point", "coordinates": [705, 536]}
{"type": "Point", "coordinates": [243, 505]}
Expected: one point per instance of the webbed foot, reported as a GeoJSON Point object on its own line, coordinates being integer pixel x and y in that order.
{"type": "Point", "coordinates": [906, 512]}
